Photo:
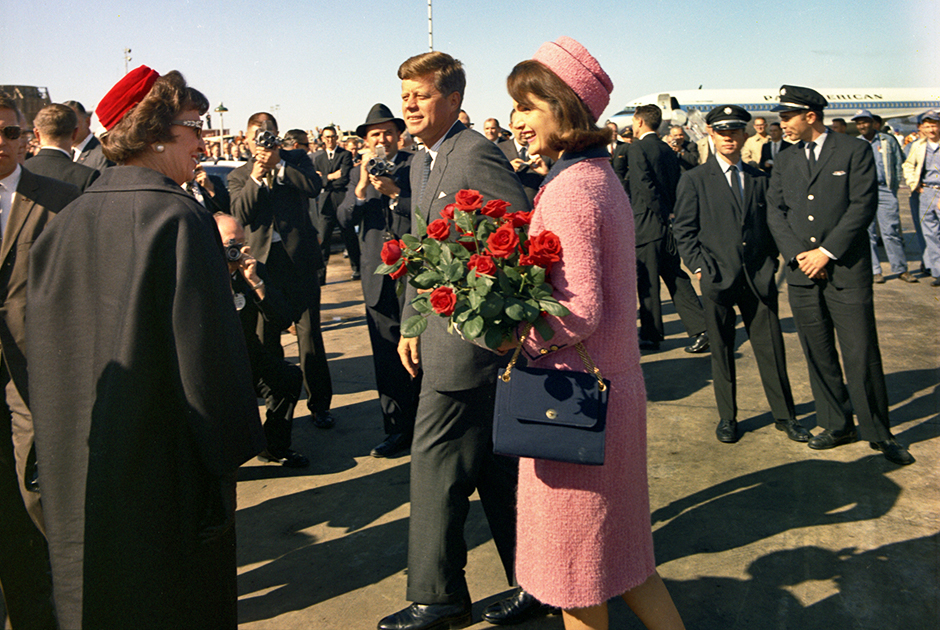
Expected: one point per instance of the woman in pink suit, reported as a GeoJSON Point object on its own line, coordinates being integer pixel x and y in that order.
{"type": "Point", "coordinates": [583, 532]}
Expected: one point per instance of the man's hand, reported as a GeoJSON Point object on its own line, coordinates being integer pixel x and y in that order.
{"type": "Point", "coordinates": [813, 263]}
{"type": "Point", "coordinates": [408, 352]}
{"type": "Point", "coordinates": [384, 185]}
{"type": "Point", "coordinates": [518, 164]}
{"type": "Point", "coordinates": [335, 174]}
{"type": "Point", "coordinates": [202, 178]}
{"type": "Point", "coordinates": [265, 161]}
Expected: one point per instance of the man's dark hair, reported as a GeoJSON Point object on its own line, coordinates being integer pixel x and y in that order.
{"type": "Point", "coordinates": [78, 107]}
{"type": "Point", "coordinates": [7, 102]}
{"type": "Point", "coordinates": [776, 124]}
{"type": "Point", "coordinates": [328, 128]}
{"type": "Point", "coordinates": [878, 120]}
{"type": "Point", "coordinates": [56, 122]}
{"type": "Point", "coordinates": [449, 76]}
{"type": "Point", "coordinates": [839, 120]}
{"type": "Point", "coordinates": [258, 118]}
{"type": "Point", "coordinates": [293, 137]}
{"type": "Point", "coordinates": [651, 115]}
{"type": "Point", "coordinates": [151, 121]}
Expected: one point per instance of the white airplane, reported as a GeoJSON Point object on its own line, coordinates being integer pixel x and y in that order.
{"type": "Point", "coordinates": [844, 103]}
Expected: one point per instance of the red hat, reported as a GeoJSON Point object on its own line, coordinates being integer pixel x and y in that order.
{"type": "Point", "coordinates": [575, 66]}
{"type": "Point", "coordinates": [125, 94]}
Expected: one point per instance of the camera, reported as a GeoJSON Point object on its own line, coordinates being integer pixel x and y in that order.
{"type": "Point", "coordinates": [267, 139]}
{"type": "Point", "coordinates": [233, 251]}
{"type": "Point", "coordinates": [378, 166]}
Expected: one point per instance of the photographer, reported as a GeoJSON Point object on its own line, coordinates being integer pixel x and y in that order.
{"type": "Point", "coordinates": [686, 151]}
{"type": "Point", "coordinates": [379, 202]}
{"type": "Point", "coordinates": [271, 197]}
{"type": "Point", "coordinates": [275, 380]}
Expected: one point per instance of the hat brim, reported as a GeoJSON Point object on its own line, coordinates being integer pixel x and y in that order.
{"type": "Point", "coordinates": [789, 107]}
{"type": "Point", "coordinates": [728, 125]}
{"type": "Point", "coordinates": [362, 129]}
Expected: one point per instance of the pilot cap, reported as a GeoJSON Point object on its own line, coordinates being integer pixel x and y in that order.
{"type": "Point", "coordinates": [726, 117]}
{"type": "Point", "coordinates": [794, 98]}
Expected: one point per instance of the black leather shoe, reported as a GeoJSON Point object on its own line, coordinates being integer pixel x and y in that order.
{"type": "Point", "coordinates": [646, 344]}
{"type": "Point", "coordinates": [908, 277]}
{"type": "Point", "coordinates": [428, 617]}
{"type": "Point", "coordinates": [893, 452]}
{"type": "Point", "coordinates": [727, 431]}
{"type": "Point", "coordinates": [795, 430]}
{"type": "Point", "coordinates": [699, 344]}
{"type": "Point", "coordinates": [520, 607]}
{"type": "Point", "coordinates": [323, 420]}
{"type": "Point", "coordinates": [394, 444]}
{"type": "Point", "coordinates": [832, 439]}
{"type": "Point", "coordinates": [287, 459]}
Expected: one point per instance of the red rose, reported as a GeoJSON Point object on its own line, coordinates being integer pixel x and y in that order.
{"type": "Point", "coordinates": [439, 229]}
{"type": "Point", "coordinates": [546, 246]}
{"type": "Point", "coordinates": [503, 242]}
{"type": "Point", "coordinates": [398, 273]}
{"type": "Point", "coordinates": [443, 301]}
{"type": "Point", "coordinates": [448, 211]}
{"type": "Point", "coordinates": [519, 218]}
{"type": "Point", "coordinates": [391, 251]}
{"type": "Point", "coordinates": [483, 264]}
{"type": "Point", "coordinates": [470, 245]}
{"type": "Point", "coordinates": [495, 208]}
{"type": "Point", "coordinates": [468, 200]}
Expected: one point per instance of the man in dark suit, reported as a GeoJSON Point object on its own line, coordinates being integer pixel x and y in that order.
{"type": "Point", "coordinates": [686, 151]}
{"type": "Point", "coordinates": [652, 179]}
{"type": "Point", "coordinates": [210, 191]}
{"type": "Point", "coordinates": [530, 169]}
{"type": "Point", "coordinates": [270, 196]}
{"type": "Point", "coordinates": [452, 451]}
{"type": "Point", "coordinates": [721, 229]}
{"type": "Point", "coordinates": [770, 149]}
{"type": "Point", "coordinates": [27, 203]}
{"type": "Point", "coordinates": [55, 127]}
{"type": "Point", "coordinates": [379, 202]}
{"type": "Point", "coordinates": [86, 149]}
{"type": "Point", "coordinates": [333, 164]}
{"type": "Point", "coordinates": [823, 196]}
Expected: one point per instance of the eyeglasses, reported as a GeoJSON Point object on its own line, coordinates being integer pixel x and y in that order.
{"type": "Point", "coordinates": [11, 132]}
{"type": "Point", "coordinates": [196, 125]}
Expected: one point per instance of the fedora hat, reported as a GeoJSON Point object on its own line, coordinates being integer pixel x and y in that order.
{"type": "Point", "coordinates": [379, 114]}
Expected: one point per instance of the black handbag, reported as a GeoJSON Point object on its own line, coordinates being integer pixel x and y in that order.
{"type": "Point", "coordinates": [558, 415]}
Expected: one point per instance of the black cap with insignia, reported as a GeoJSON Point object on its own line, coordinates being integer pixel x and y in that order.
{"type": "Point", "coordinates": [726, 117]}
{"type": "Point", "coordinates": [794, 98]}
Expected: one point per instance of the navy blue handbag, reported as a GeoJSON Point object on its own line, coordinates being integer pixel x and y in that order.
{"type": "Point", "coordinates": [558, 415]}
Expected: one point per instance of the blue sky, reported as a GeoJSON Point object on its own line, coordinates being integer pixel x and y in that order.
{"type": "Point", "coordinates": [330, 61]}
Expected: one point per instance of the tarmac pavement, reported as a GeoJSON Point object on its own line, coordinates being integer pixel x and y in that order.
{"type": "Point", "coordinates": [762, 534]}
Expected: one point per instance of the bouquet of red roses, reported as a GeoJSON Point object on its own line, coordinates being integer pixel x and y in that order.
{"type": "Point", "coordinates": [478, 267]}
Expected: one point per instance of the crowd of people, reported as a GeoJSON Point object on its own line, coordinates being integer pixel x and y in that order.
{"type": "Point", "coordinates": [153, 297]}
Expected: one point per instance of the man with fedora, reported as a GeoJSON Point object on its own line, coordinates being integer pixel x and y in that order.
{"type": "Point", "coordinates": [379, 203]}
{"type": "Point", "coordinates": [888, 163]}
{"type": "Point", "coordinates": [722, 234]}
{"type": "Point", "coordinates": [822, 197]}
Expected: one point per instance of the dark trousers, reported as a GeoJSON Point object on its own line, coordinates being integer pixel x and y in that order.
{"type": "Point", "coordinates": [398, 392]}
{"type": "Point", "coordinates": [24, 558]}
{"type": "Point", "coordinates": [451, 456]}
{"type": "Point", "coordinates": [660, 259]}
{"type": "Point", "coordinates": [762, 323]}
{"type": "Point", "coordinates": [279, 383]}
{"type": "Point", "coordinates": [822, 312]}
{"type": "Point", "coordinates": [328, 222]}
{"type": "Point", "coordinates": [309, 335]}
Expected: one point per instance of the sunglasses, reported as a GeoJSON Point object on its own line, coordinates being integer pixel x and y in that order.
{"type": "Point", "coordinates": [195, 125]}
{"type": "Point", "coordinates": [11, 132]}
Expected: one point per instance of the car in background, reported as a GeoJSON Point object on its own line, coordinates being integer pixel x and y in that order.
{"type": "Point", "coordinates": [221, 168]}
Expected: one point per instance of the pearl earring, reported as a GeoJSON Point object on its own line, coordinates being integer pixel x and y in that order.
{"type": "Point", "coordinates": [159, 148]}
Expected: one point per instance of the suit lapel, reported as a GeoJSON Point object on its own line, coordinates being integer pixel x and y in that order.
{"type": "Point", "coordinates": [23, 202]}
{"type": "Point", "coordinates": [825, 153]}
{"type": "Point", "coordinates": [721, 182]}
{"type": "Point", "coordinates": [432, 189]}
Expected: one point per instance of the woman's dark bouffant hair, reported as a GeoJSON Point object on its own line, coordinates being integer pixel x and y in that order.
{"type": "Point", "coordinates": [151, 119]}
{"type": "Point", "coordinates": [579, 132]}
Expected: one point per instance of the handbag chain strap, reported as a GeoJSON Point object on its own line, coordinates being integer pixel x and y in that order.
{"type": "Point", "coordinates": [582, 351]}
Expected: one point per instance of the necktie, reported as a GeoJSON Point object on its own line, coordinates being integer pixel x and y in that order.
{"type": "Point", "coordinates": [811, 157]}
{"type": "Point", "coordinates": [736, 184]}
{"type": "Point", "coordinates": [523, 154]}
{"type": "Point", "coordinates": [425, 172]}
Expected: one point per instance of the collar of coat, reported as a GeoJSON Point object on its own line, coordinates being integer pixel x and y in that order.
{"type": "Point", "coordinates": [570, 159]}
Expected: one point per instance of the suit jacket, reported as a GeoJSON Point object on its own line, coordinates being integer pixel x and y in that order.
{"type": "Point", "coordinates": [620, 161]}
{"type": "Point", "coordinates": [766, 153]}
{"type": "Point", "coordinates": [283, 208]}
{"type": "Point", "coordinates": [221, 202]}
{"type": "Point", "coordinates": [466, 160]}
{"type": "Point", "coordinates": [57, 165]}
{"type": "Point", "coordinates": [831, 208]}
{"type": "Point", "coordinates": [722, 237]}
{"type": "Point", "coordinates": [333, 191]}
{"type": "Point", "coordinates": [36, 202]}
{"type": "Point", "coordinates": [913, 166]}
{"type": "Point", "coordinates": [750, 153]}
{"type": "Point", "coordinates": [653, 177]}
{"type": "Point", "coordinates": [376, 221]}
{"type": "Point", "coordinates": [689, 158]}
{"type": "Point", "coordinates": [531, 181]}
{"type": "Point", "coordinates": [93, 157]}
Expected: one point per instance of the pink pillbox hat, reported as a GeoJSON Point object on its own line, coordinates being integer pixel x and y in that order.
{"type": "Point", "coordinates": [575, 66]}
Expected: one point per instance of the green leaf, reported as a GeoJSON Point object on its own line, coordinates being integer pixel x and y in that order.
{"type": "Point", "coordinates": [537, 276]}
{"type": "Point", "coordinates": [383, 269]}
{"type": "Point", "coordinates": [515, 309]}
{"type": "Point", "coordinates": [464, 220]}
{"type": "Point", "coordinates": [492, 306]}
{"type": "Point", "coordinates": [473, 327]}
{"type": "Point", "coordinates": [531, 309]}
{"type": "Point", "coordinates": [422, 304]}
{"type": "Point", "coordinates": [552, 307]}
{"type": "Point", "coordinates": [474, 299]}
{"type": "Point", "coordinates": [414, 326]}
{"type": "Point", "coordinates": [420, 225]}
{"type": "Point", "coordinates": [454, 272]}
{"type": "Point", "coordinates": [447, 256]}
{"type": "Point", "coordinates": [411, 241]}
{"type": "Point", "coordinates": [513, 274]}
{"type": "Point", "coordinates": [544, 330]}
{"type": "Point", "coordinates": [432, 251]}
{"type": "Point", "coordinates": [427, 279]}
{"type": "Point", "coordinates": [495, 335]}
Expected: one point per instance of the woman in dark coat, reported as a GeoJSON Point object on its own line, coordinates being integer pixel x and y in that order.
{"type": "Point", "coordinates": [142, 397]}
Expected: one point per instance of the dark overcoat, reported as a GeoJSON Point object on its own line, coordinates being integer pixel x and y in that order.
{"type": "Point", "coordinates": [143, 407]}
